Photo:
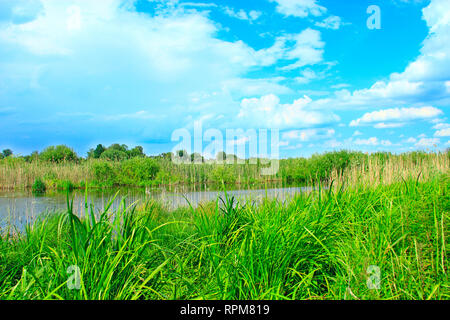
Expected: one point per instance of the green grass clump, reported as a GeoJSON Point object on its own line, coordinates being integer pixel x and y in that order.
{"type": "Point", "coordinates": [39, 186]}
{"type": "Point", "coordinates": [319, 245]}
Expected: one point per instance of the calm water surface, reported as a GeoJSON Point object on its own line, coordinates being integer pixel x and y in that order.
{"type": "Point", "coordinates": [19, 208]}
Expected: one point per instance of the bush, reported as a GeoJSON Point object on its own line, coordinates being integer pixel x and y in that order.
{"type": "Point", "coordinates": [7, 153]}
{"type": "Point", "coordinates": [38, 186]}
{"type": "Point", "coordinates": [114, 155]}
{"type": "Point", "coordinates": [223, 173]}
{"type": "Point", "coordinates": [65, 185]}
{"type": "Point", "coordinates": [104, 174]}
{"type": "Point", "coordinates": [58, 154]}
{"type": "Point", "coordinates": [138, 171]}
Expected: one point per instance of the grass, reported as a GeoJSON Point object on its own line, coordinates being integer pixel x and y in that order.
{"type": "Point", "coordinates": [16, 173]}
{"type": "Point", "coordinates": [318, 245]}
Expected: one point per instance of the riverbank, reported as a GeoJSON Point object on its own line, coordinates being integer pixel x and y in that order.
{"type": "Point", "coordinates": [39, 175]}
{"type": "Point", "coordinates": [358, 242]}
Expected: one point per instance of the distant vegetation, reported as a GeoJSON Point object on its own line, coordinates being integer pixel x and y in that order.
{"type": "Point", "coordinates": [60, 168]}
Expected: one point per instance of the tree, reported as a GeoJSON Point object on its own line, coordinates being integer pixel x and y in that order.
{"type": "Point", "coordinates": [98, 151]}
{"type": "Point", "coordinates": [7, 153]}
{"type": "Point", "coordinates": [197, 158]}
{"type": "Point", "coordinates": [221, 156]}
{"type": "Point", "coordinates": [182, 156]}
{"type": "Point", "coordinates": [136, 152]}
{"type": "Point", "coordinates": [114, 155]}
{"type": "Point", "coordinates": [118, 147]}
{"type": "Point", "coordinates": [58, 154]}
{"type": "Point", "coordinates": [166, 155]}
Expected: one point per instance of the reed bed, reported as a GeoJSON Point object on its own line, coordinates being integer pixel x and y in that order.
{"type": "Point", "coordinates": [15, 173]}
{"type": "Point", "coordinates": [18, 174]}
{"type": "Point", "coordinates": [326, 244]}
{"type": "Point", "coordinates": [374, 171]}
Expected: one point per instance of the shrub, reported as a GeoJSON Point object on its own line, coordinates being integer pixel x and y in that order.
{"type": "Point", "coordinates": [58, 154]}
{"type": "Point", "coordinates": [223, 173]}
{"type": "Point", "coordinates": [138, 171]}
{"type": "Point", "coordinates": [65, 185]}
{"type": "Point", "coordinates": [104, 173]}
{"type": "Point", "coordinates": [97, 152]}
{"type": "Point", "coordinates": [114, 155]}
{"type": "Point", "coordinates": [7, 152]}
{"type": "Point", "coordinates": [38, 186]}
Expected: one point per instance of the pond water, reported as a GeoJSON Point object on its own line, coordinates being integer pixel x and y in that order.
{"type": "Point", "coordinates": [19, 208]}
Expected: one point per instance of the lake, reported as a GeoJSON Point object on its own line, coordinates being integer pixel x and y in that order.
{"type": "Point", "coordinates": [20, 207]}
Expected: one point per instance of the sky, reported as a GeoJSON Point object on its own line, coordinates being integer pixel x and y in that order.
{"type": "Point", "coordinates": [329, 75]}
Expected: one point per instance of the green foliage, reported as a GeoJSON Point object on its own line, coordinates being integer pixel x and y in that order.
{"type": "Point", "coordinates": [136, 152]}
{"type": "Point", "coordinates": [65, 185]}
{"type": "Point", "coordinates": [138, 171]}
{"type": "Point", "coordinates": [7, 153]}
{"type": "Point", "coordinates": [319, 166]}
{"type": "Point", "coordinates": [97, 152]}
{"type": "Point", "coordinates": [104, 174]}
{"type": "Point", "coordinates": [38, 186]}
{"type": "Point", "coordinates": [114, 154]}
{"type": "Point", "coordinates": [314, 246]}
{"type": "Point", "coordinates": [58, 154]}
{"type": "Point", "coordinates": [223, 173]}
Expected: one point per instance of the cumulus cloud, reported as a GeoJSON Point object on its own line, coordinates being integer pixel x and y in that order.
{"type": "Point", "coordinates": [396, 115]}
{"type": "Point", "coordinates": [267, 111]}
{"type": "Point", "coordinates": [308, 49]}
{"type": "Point", "coordinates": [443, 133]}
{"type": "Point", "coordinates": [373, 141]}
{"type": "Point", "coordinates": [241, 14]}
{"type": "Point", "coordinates": [104, 56]}
{"type": "Point", "coordinates": [427, 142]}
{"type": "Point", "coordinates": [331, 22]}
{"type": "Point", "coordinates": [299, 8]}
{"type": "Point", "coordinates": [424, 81]}
{"type": "Point", "coordinates": [309, 134]}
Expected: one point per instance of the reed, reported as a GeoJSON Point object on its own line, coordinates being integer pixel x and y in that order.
{"type": "Point", "coordinates": [325, 244]}
{"type": "Point", "coordinates": [15, 173]}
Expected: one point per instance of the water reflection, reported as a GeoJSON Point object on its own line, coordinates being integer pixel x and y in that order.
{"type": "Point", "coordinates": [19, 208]}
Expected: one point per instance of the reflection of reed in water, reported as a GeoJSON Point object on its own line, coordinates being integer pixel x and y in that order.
{"type": "Point", "coordinates": [19, 209]}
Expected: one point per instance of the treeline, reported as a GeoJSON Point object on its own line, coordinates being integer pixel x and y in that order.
{"type": "Point", "coordinates": [59, 167]}
{"type": "Point", "coordinates": [115, 152]}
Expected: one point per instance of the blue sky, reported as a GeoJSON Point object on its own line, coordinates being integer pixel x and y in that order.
{"type": "Point", "coordinates": [86, 72]}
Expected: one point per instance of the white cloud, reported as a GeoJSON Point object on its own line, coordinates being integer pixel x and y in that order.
{"type": "Point", "coordinates": [443, 133]}
{"type": "Point", "coordinates": [441, 126]}
{"type": "Point", "coordinates": [332, 22]}
{"type": "Point", "coordinates": [251, 87]}
{"type": "Point", "coordinates": [242, 14]}
{"type": "Point", "coordinates": [383, 125]}
{"type": "Point", "coordinates": [267, 111]}
{"type": "Point", "coordinates": [307, 76]}
{"type": "Point", "coordinates": [299, 8]}
{"type": "Point", "coordinates": [308, 134]}
{"type": "Point", "coordinates": [308, 49]}
{"type": "Point", "coordinates": [427, 142]}
{"type": "Point", "coordinates": [357, 133]}
{"type": "Point", "coordinates": [424, 81]}
{"type": "Point", "coordinates": [396, 114]}
{"type": "Point", "coordinates": [373, 141]}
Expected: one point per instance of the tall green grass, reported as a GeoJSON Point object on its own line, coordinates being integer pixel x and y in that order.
{"type": "Point", "coordinates": [317, 245]}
